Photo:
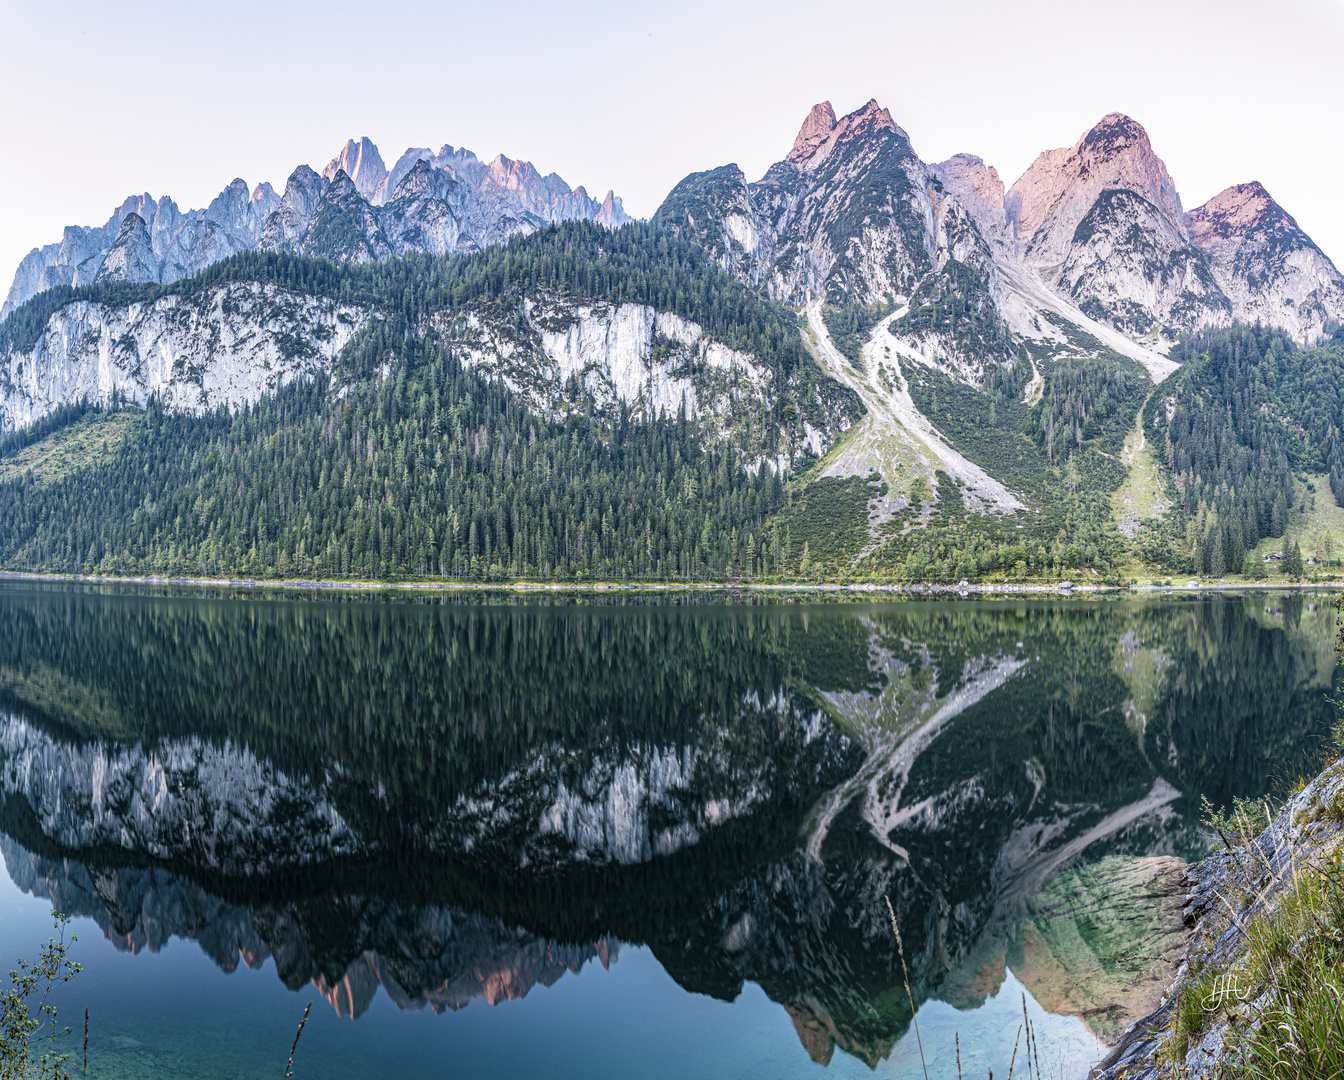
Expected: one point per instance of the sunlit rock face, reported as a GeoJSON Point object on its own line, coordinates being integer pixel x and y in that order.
{"type": "Point", "coordinates": [1054, 195]}
{"type": "Point", "coordinates": [1101, 223]}
{"type": "Point", "coordinates": [1270, 270]}
{"type": "Point", "coordinates": [1092, 237]}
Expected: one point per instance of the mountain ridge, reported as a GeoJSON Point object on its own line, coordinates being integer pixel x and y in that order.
{"type": "Point", "coordinates": [493, 201]}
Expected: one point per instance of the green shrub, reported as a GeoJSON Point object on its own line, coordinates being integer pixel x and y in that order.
{"type": "Point", "coordinates": [29, 1028]}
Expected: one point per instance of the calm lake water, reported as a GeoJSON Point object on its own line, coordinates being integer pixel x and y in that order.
{"type": "Point", "coordinates": [593, 838]}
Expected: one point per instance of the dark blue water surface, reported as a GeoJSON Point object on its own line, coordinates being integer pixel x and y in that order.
{"type": "Point", "coordinates": [586, 838]}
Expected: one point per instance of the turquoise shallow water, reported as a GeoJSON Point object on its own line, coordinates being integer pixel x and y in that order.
{"type": "Point", "coordinates": [597, 840]}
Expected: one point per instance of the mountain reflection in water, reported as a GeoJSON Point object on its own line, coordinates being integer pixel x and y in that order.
{"type": "Point", "coordinates": [461, 799]}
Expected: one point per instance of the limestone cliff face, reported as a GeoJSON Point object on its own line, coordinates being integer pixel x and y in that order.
{"type": "Point", "coordinates": [227, 346]}
{"type": "Point", "coordinates": [1269, 269]}
{"type": "Point", "coordinates": [655, 363]}
{"type": "Point", "coordinates": [1129, 267]}
{"type": "Point", "coordinates": [233, 343]}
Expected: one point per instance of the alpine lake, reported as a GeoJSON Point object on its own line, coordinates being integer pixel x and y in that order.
{"type": "Point", "coordinates": [646, 835]}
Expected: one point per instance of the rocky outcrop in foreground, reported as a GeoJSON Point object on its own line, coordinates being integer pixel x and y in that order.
{"type": "Point", "coordinates": [1216, 1000]}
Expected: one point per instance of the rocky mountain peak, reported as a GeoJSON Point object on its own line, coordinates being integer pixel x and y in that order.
{"type": "Point", "coordinates": [871, 116]}
{"type": "Point", "coordinates": [131, 256]}
{"type": "Point", "coordinates": [1113, 134]}
{"type": "Point", "coordinates": [457, 203]}
{"type": "Point", "coordinates": [612, 214]}
{"type": "Point", "coordinates": [143, 205]}
{"type": "Point", "coordinates": [978, 188]}
{"type": "Point", "coordinates": [231, 204]}
{"type": "Point", "coordinates": [455, 160]}
{"type": "Point", "coordinates": [399, 171]}
{"type": "Point", "coordinates": [1270, 269]}
{"type": "Point", "coordinates": [512, 175]}
{"type": "Point", "coordinates": [285, 227]}
{"type": "Point", "coordinates": [342, 187]}
{"type": "Point", "coordinates": [821, 132]}
{"type": "Point", "coordinates": [362, 163]}
{"type": "Point", "coordinates": [1049, 200]}
{"type": "Point", "coordinates": [1237, 211]}
{"type": "Point", "coordinates": [815, 130]}
{"type": "Point", "coordinates": [422, 180]}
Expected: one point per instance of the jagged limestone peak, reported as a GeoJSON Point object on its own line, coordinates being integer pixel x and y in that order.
{"type": "Point", "coordinates": [131, 256]}
{"type": "Point", "coordinates": [1269, 268]}
{"type": "Point", "coordinates": [978, 188]}
{"type": "Point", "coordinates": [362, 163]}
{"type": "Point", "coordinates": [815, 130]}
{"type": "Point", "coordinates": [1049, 200]}
{"type": "Point", "coordinates": [403, 166]}
{"type": "Point", "coordinates": [1238, 211]}
{"type": "Point", "coordinates": [822, 132]}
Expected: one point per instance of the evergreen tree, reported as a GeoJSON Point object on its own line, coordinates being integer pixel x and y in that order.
{"type": "Point", "coordinates": [1217, 566]}
{"type": "Point", "coordinates": [1292, 559]}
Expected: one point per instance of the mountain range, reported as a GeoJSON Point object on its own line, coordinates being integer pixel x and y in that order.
{"type": "Point", "coordinates": [355, 210]}
{"type": "Point", "coordinates": [850, 214]}
{"type": "Point", "coordinates": [919, 350]}
{"type": "Point", "coordinates": [1094, 233]}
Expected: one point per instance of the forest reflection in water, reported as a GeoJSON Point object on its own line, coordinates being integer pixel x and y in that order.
{"type": "Point", "coordinates": [461, 798]}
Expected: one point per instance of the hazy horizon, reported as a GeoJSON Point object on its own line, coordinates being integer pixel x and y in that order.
{"type": "Point", "coordinates": [177, 102]}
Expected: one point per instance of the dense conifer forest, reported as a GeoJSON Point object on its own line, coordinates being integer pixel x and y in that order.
{"type": "Point", "coordinates": [426, 469]}
{"type": "Point", "coordinates": [431, 473]}
{"type": "Point", "coordinates": [1247, 413]}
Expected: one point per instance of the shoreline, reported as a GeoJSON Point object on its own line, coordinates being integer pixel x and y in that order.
{"type": "Point", "coordinates": [1301, 835]}
{"type": "Point", "coordinates": [1063, 589]}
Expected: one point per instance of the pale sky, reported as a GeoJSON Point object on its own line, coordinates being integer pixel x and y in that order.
{"type": "Point", "coordinates": [99, 100]}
